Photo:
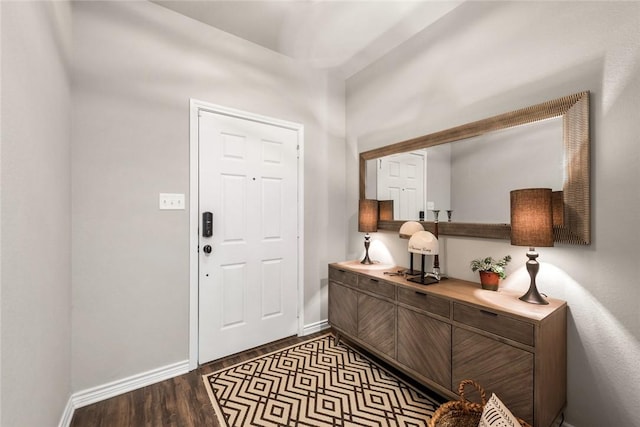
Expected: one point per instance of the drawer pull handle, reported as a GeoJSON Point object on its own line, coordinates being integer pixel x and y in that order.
{"type": "Point", "coordinates": [421, 294]}
{"type": "Point", "coordinates": [342, 271]}
{"type": "Point", "coordinates": [489, 313]}
{"type": "Point", "coordinates": [374, 280]}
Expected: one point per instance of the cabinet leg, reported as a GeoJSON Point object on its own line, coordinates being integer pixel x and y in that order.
{"type": "Point", "coordinates": [336, 339]}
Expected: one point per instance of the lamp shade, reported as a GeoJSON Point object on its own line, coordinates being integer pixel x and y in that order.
{"type": "Point", "coordinates": [423, 242]}
{"type": "Point", "coordinates": [368, 216]}
{"type": "Point", "coordinates": [385, 210]}
{"type": "Point", "coordinates": [531, 217]}
{"type": "Point", "coordinates": [409, 228]}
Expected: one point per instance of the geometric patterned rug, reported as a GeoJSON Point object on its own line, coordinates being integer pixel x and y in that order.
{"type": "Point", "coordinates": [315, 383]}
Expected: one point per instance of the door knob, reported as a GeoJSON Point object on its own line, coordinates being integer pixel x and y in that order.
{"type": "Point", "coordinates": [207, 249]}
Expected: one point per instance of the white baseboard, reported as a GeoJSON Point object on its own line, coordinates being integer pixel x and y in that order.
{"type": "Point", "coordinates": [312, 328]}
{"type": "Point", "coordinates": [106, 391]}
{"type": "Point", "coordinates": [115, 388]}
{"type": "Point", "coordinates": [67, 415]}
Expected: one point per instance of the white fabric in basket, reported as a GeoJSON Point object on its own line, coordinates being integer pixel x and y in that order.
{"type": "Point", "coordinates": [495, 414]}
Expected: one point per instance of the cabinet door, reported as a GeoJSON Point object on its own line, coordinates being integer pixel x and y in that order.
{"type": "Point", "coordinates": [377, 324]}
{"type": "Point", "coordinates": [424, 345]}
{"type": "Point", "coordinates": [343, 308]}
{"type": "Point", "coordinates": [499, 368]}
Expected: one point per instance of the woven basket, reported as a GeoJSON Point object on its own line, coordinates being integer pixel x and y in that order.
{"type": "Point", "coordinates": [462, 413]}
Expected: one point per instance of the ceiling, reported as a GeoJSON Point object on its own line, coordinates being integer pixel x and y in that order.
{"type": "Point", "coordinates": [338, 34]}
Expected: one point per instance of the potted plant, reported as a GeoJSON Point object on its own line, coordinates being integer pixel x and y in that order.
{"type": "Point", "coordinates": [491, 271]}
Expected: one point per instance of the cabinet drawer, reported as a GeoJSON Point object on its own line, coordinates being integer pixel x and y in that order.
{"type": "Point", "coordinates": [423, 301]}
{"type": "Point", "coordinates": [345, 277]}
{"type": "Point", "coordinates": [377, 286]}
{"type": "Point", "coordinates": [495, 323]}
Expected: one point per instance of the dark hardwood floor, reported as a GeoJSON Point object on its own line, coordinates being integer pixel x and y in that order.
{"type": "Point", "coordinates": [178, 402]}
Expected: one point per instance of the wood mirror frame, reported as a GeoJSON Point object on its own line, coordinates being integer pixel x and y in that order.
{"type": "Point", "coordinates": [574, 110]}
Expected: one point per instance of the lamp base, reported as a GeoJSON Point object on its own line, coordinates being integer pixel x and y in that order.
{"type": "Point", "coordinates": [421, 280]}
{"type": "Point", "coordinates": [533, 296]}
{"type": "Point", "coordinates": [410, 272]}
{"type": "Point", "coordinates": [366, 260]}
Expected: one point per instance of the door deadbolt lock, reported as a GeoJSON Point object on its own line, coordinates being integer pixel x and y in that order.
{"type": "Point", "coordinates": [207, 249]}
{"type": "Point", "coordinates": [207, 224]}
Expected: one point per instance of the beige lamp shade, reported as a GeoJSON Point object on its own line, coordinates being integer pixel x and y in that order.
{"type": "Point", "coordinates": [424, 242]}
{"type": "Point", "coordinates": [532, 217]}
{"type": "Point", "coordinates": [409, 228]}
{"type": "Point", "coordinates": [368, 216]}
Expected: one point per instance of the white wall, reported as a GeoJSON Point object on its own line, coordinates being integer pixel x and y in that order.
{"type": "Point", "coordinates": [36, 213]}
{"type": "Point", "coordinates": [486, 58]}
{"type": "Point", "coordinates": [136, 65]}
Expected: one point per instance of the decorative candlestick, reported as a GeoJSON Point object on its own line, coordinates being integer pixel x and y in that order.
{"type": "Point", "coordinates": [449, 214]}
{"type": "Point", "coordinates": [436, 212]}
{"type": "Point", "coordinates": [436, 259]}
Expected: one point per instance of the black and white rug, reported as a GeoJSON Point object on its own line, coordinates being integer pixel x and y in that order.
{"type": "Point", "coordinates": [315, 383]}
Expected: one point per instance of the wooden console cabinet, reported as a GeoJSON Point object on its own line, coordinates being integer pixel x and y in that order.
{"type": "Point", "coordinates": [441, 334]}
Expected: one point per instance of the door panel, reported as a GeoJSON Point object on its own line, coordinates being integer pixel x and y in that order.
{"type": "Point", "coordinates": [424, 345]}
{"type": "Point", "coordinates": [233, 282]}
{"type": "Point", "coordinates": [400, 178]}
{"type": "Point", "coordinates": [272, 212]}
{"type": "Point", "coordinates": [233, 220]}
{"type": "Point", "coordinates": [272, 287]}
{"type": "Point", "coordinates": [500, 368]}
{"type": "Point", "coordinates": [377, 323]}
{"type": "Point", "coordinates": [248, 284]}
{"type": "Point", "coordinates": [343, 308]}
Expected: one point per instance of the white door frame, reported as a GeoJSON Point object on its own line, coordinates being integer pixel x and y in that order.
{"type": "Point", "coordinates": [195, 106]}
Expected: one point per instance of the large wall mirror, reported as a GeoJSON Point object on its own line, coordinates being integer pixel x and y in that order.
{"type": "Point", "coordinates": [470, 170]}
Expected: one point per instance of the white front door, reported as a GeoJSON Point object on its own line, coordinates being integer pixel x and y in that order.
{"type": "Point", "coordinates": [248, 267]}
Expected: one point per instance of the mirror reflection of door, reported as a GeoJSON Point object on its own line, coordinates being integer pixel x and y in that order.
{"type": "Point", "coordinates": [473, 176]}
{"type": "Point", "coordinates": [401, 178]}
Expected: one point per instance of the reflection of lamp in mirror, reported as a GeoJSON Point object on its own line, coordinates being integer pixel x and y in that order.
{"type": "Point", "coordinates": [532, 225]}
{"type": "Point", "coordinates": [407, 230]}
{"type": "Point", "coordinates": [367, 222]}
{"type": "Point", "coordinates": [558, 208]}
{"type": "Point", "coordinates": [385, 210]}
{"type": "Point", "coordinates": [424, 243]}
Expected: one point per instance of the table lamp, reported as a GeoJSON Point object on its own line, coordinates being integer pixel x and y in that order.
{"type": "Point", "coordinates": [367, 222]}
{"type": "Point", "coordinates": [532, 225]}
{"type": "Point", "coordinates": [424, 243]}
{"type": "Point", "coordinates": [407, 230]}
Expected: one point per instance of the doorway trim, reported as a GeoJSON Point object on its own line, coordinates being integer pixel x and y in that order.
{"type": "Point", "coordinates": [195, 107]}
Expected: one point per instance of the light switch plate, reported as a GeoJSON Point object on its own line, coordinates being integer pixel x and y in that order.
{"type": "Point", "coordinates": [431, 206]}
{"type": "Point", "coordinates": [171, 201]}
